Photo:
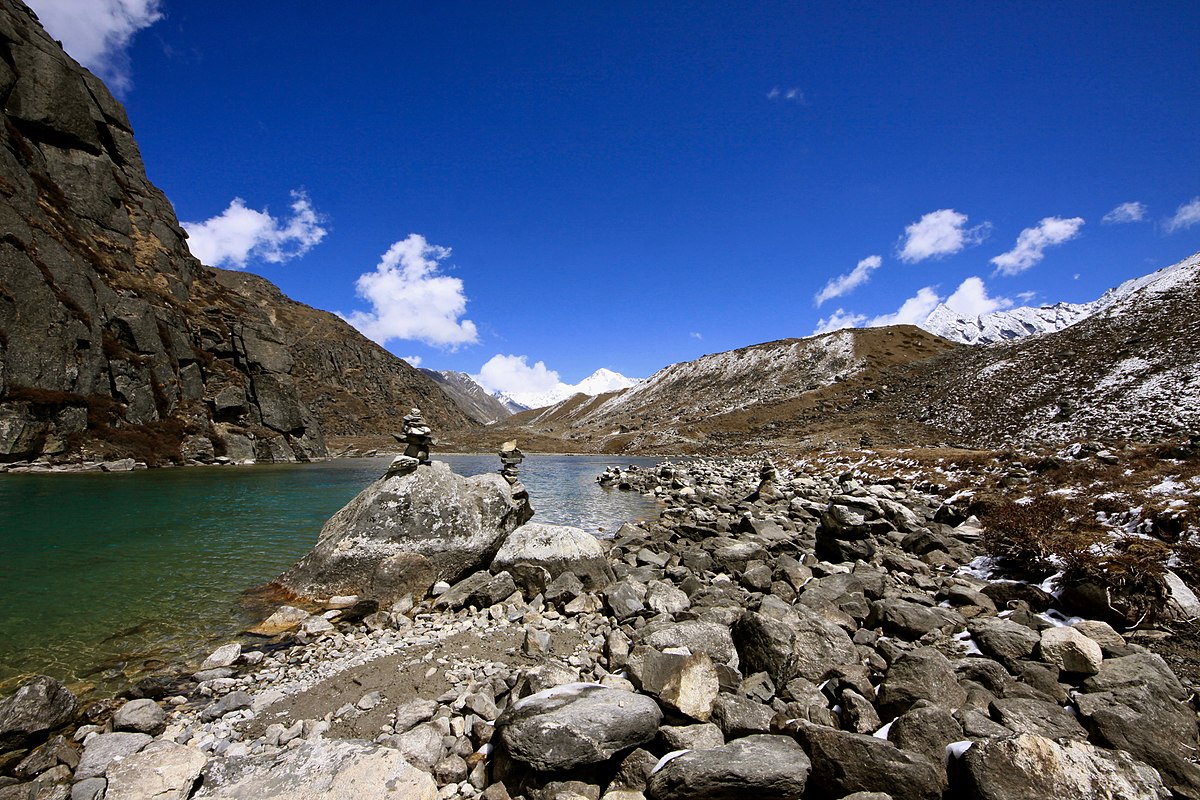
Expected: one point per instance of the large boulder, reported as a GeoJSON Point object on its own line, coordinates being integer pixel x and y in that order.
{"type": "Point", "coordinates": [328, 769]}
{"type": "Point", "coordinates": [405, 532]}
{"type": "Point", "coordinates": [802, 644]}
{"type": "Point", "coordinates": [39, 706]}
{"type": "Point", "coordinates": [763, 767]}
{"type": "Point", "coordinates": [1028, 766]}
{"type": "Point", "coordinates": [575, 725]}
{"type": "Point", "coordinates": [557, 549]}
{"type": "Point", "coordinates": [844, 763]}
{"type": "Point", "coordinates": [162, 771]}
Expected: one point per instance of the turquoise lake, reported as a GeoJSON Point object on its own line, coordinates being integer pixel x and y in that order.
{"type": "Point", "coordinates": [106, 576]}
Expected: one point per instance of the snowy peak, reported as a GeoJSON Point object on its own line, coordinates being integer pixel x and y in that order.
{"type": "Point", "coordinates": [601, 381]}
{"type": "Point", "coordinates": [470, 397]}
{"type": "Point", "coordinates": [1015, 323]}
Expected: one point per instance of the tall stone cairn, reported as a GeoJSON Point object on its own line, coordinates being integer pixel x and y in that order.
{"type": "Point", "coordinates": [510, 460]}
{"type": "Point", "coordinates": [417, 438]}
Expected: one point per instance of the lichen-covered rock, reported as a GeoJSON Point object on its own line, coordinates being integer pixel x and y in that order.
{"type": "Point", "coordinates": [557, 549]}
{"type": "Point", "coordinates": [162, 770]}
{"type": "Point", "coordinates": [402, 533]}
{"type": "Point", "coordinates": [38, 706]}
{"type": "Point", "coordinates": [764, 767]}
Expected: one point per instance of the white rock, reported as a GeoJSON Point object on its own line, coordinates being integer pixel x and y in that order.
{"type": "Point", "coordinates": [1070, 651]}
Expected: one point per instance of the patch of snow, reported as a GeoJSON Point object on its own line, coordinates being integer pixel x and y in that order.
{"type": "Point", "coordinates": [1167, 486]}
{"type": "Point", "coordinates": [662, 762]}
{"type": "Point", "coordinates": [883, 732]}
{"type": "Point", "coordinates": [958, 749]}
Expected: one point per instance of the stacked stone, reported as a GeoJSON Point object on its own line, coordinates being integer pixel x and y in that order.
{"type": "Point", "coordinates": [510, 458]}
{"type": "Point", "coordinates": [417, 438]}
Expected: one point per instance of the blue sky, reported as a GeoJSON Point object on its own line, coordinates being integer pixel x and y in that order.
{"type": "Point", "coordinates": [637, 184]}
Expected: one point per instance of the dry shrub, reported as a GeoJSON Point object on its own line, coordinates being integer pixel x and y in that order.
{"type": "Point", "coordinates": [1025, 537]}
{"type": "Point", "coordinates": [1131, 570]}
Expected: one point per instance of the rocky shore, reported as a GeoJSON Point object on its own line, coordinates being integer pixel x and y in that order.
{"type": "Point", "coordinates": [820, 630]}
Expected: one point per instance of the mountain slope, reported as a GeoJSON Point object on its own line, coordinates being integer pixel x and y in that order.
{"type": "Point", "coordinates": [471, 398]}
{"type": "Point", "coordinates": [1014, 323]}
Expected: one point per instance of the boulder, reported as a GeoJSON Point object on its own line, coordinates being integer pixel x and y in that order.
{"type": "Point", "coordinates": [37, 707]}
{"type": "Point", "coordinates": [285, 618]}
{"type": "Point", "coordinates": [140, 716]}
{"type": "Point", "coordinates": [1070, 651]}
{"type": "Point", "coordinates": [162, 770]}
{"type": "Point", "coordinates": [692, 688]}
{"type": "Point", "coordinates": [1029, 766]}
{"type": "Point", "coordinates": [576, 724]}
{"type": "Point", "coordinates": [803, 644]}
{"type": "Point", "coordinates": [105, 748]}
{"type": "Point", "coordinates": [697, 636]}
{"type": "Point", "coordinates": [844, 763]}
{"type": "Point", "coordinates": [557, 549]}
{"type": "Point", "coordinates": [764, 767]}
{"type": "Point", "coordinates": [329, 769]}
{"type": "Point", "coordinates": [402, 533]}
{"type": "Point", "coordinates": [1003, 640]}
{"type": "Point", "coordinates": [923, 674]}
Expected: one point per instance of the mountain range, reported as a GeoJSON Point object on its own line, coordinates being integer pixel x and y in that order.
{"type": "Point", "coordinates": [115, 342]}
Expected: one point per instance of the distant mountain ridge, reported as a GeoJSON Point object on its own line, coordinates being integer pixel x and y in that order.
{"type": "Point", "coordinates": [1014, 323]}
{"type": "Point", "coordinates": [601, 381]}
{"type": "Point", "coordinates": [475, 401]}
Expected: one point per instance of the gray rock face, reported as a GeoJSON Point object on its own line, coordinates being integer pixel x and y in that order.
{"type": "Point", "coordinates": [576, 724]}
{"type": "Point", "coordinates": [39, 706]}
{"type": "Point", "coordinates": [403, 533]}
{"type": "Point", "coordinates": [763, 767]}
{"type": "Point", "coordinates": [923, 674]}
{"type": "Point", "coordinates": [557, 549]}
{"type": "Point", "coordinates": [328, 769]}
{"type": "Point", "coordinates": [1029, 766]}
{"type": "Point", "coordinates": [107, 748]}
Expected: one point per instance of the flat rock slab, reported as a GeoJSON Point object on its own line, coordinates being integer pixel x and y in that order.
{"type": "Point", "coordinates": [328, 769]}
{"type": "Point", "coordinates": [162, 771]}
{"type": "Point", "coordinates": [576, 724]}
{"type": "Point", "coordinates": [106, 748]}
{"type": "Point", "coordinates": [557, 549]}
{"type": "Point", "coordinates": [762, 767]}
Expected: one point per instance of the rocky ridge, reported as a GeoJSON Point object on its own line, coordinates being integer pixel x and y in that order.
{"type": "Point", "coordinates": [816, 631]}
{"type": "Point", "coordinates": [473, 399]}
{"type": "Point", "coordinates": [116, 345]}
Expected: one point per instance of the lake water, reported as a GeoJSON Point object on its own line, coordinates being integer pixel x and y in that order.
{"type": "Point", "coordinates": [104, 576]}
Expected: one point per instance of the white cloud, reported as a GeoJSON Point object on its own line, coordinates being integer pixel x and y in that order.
{"type": "Point", "coordinates": [839, 319]}
{"type": "Point", "coordinates": [696, 335]}
{"type": "Point", "coordinates": [915, 309]}
{"type": "Point", "coordinates": [413, 361]}
{"type": "Point", "coordinates": [1026, 297]}
{"type": "Point", "coordinates": [97, 33]}
{"type": "Point", "coordinates": [1186, 216]}
{"type": "Point", "coordinates": [940, 233]}
{"type": "Point", "coordinates": [792, 94]}
{"type": "Point", "coordinates": [1032, 244]}
{"type": "Point", "coordinates": [844, 284]}
{"type": "Point", "coordinates": [971, 299]}
{"type": "Point", "coordinates": [410, 299]}
{"type": "Point", "coordinates": [238, 234]}
{"type": "Point", "coordinates": [1126, 212]}
{"type": "Point", "coordinates": [512, 374]}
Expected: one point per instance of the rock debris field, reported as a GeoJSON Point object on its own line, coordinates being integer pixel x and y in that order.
{"type": "Point", "coordinates": [810, 631]}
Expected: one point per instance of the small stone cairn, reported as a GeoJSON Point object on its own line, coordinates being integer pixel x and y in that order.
{"type": "Point", "coordinates": [510, 460]}
{"type": "Point", "coordinates": [417, 438]}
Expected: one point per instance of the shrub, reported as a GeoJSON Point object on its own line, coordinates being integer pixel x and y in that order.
{"type": "Point", "coordinates": [1025, 538]}
{"type": "Point", "coordinates": [1130, 570]}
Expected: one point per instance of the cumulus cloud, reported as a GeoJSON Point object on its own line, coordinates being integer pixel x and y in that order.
{"type": "Point", "coordinates": [915, 309]}
{"type": "Point", "coordinates": [410, 298]}
{"type": "Point", "coordinates": [848, 282]}
{"type": "Point", "coordinates": [940, 233]}
{"type": "Point", "coordinates": [97, 33]}
{"type": "Point", "coordinates": [514, 375]}
{"type": "Point", "coordinates": [971, 299]}
{"type": "Point", "coordinates": [1032, 243]}
{"type": "Point", "coordinates": [1126, 212]}
{"type": "Point", "coordinates": [238, 234]}
{"type": "Point", "coordinates": [413, 361]}
{"type": "Point", "coordinates": [839, 319]}
{"type": "Point", "coordinates": [1186, 216]}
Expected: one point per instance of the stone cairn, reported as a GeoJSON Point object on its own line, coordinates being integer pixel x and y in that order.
{"type": "Point", "coordinates": [417, 439]}
{"type": "Point", "coordinates": [510, 460]}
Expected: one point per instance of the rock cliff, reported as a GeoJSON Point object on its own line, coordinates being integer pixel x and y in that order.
{"type": "Point", "coordinates": [114, 340]}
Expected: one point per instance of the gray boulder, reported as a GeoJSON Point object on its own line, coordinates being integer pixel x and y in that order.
{"type": "Point", "coordinates": [37, 707]}
{"type": "Point", "coordinates": [1002, 639]}
{"type": "Point", "coordinates": [140, 716]}
{"type": "Point", "coordinates": [557, 549]}
{"type": "Point", "coordinates": [803, 644]}
{"type": "Point", "coordinates": [329, 769]}
{"type": "Point", "coordinates": [763, 767]}
{"type": "Point", "coordinates": [697, 636]}
{"type": "Point", "coordinates": [106, 748]}
{"type": "Point", "coordinates": [405, 532]}
{"type": "Point", "coordinates": [923, 674]}
{"type": "Point", "coordinates": [162, 770]}
{"type": "Point", "coordinates": [844, 763]}
{"type": "Point", "coordinates": [1029, 766]}
{"type": "Point", "coordinates": [576, 724]}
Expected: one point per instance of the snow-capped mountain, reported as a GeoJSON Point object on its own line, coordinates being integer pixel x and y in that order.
{"type": "Point", "coordinates": [599, 382]}
{"type": "Point", "coordinates": [1014, 323]}
{"type": "Point", "coordinates": [475, 401]}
